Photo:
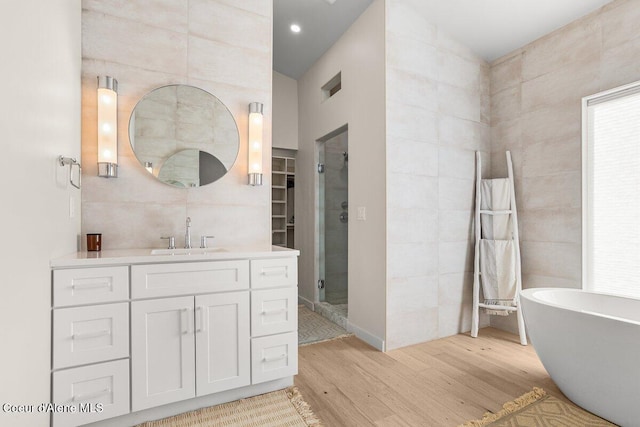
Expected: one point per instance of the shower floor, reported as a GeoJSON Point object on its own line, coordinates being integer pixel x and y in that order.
{"type": "Point", "coordinates": [336, 297]}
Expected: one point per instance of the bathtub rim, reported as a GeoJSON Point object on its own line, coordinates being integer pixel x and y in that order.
{"type": "Point", "coordinates": [529, 294]}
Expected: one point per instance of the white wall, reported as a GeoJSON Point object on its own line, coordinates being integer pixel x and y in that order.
{"type": "Point", "coordinates": [437, 101]}
{"type": "Point", "coordinates": [221, 46]}
{"type": "Point", "coordinates": [285, 112]}
{"type": "Point", "coordinates": [536, 95]}
{"type": "Point", "coordinates": [359, 55]}
{"type": "Point", "coordinates": [40, 119]}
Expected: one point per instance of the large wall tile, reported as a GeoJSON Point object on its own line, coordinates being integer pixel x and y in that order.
{"type": "Point", "coordinates": [456, 194]}
{"type": "Point", "coordinates": [551, 225]}
{"type": "Point", "coordinates": [463, 103]}
{"type": "Point", "coordinates": [620, 23]}
{"type": "Point", "coordinates": [411, 191]}
{"type": "Point", "coordinates": [402, 20]}
{"type": "Point", "coordinates": [454, 319]}
{"type": "Point", "coordinates": [547, 158]}
{"type": "Point", "coordinates": [568, 45]}
{"type": "Point", "coordinates": [505, 105]}
{"type": "Point", "coordinates": [465, 134]}
{"type": "Point", "coordinates": [413, 293]}
{"type": "Point", "coordinates": [552, 191]}
{"type": "Point", "coordinates": [231, 64]}
{"type": "Point", "coordinates": [455, 257]}
{"type": "Point", "coordinates": [571, 82]}
{"type": "Point", "coordinates": [408, 88]}
{"type": "Point", "coordinates": [461, 164]}
{"type": "Point", "coordinates": [455, 289]}
{"type": "Point", "coordinates": [412, 260]}
{"type": "Point", "coordinates": [506, 72]}
{"type": "Point", "coordinates": [229, 24]}
{"type": "Point", "coordinates": [559, 121]}
{"type": "Point", "coordinates": [167, 14]}
{"type": "Point", "coordinates": [411, 157]}
{"type": "Point", "coordinates": [455, 226]}
{"type": "Point", "coordinates": [458, 71]}
{"type": "Point", "coordinates": [410, 122]}
{"type": "Point", "coordinates": [412, 327]}
{"type": "Point", "coordinates": [619, 65]}
{"type": "Point", "coordinates": [412, 55]}
{"type": "Point", "coordinates": [128, 42]}
{"type": "Point", "coordinates": [412, 225]}
{"type": "Point", "coordinates": [562, 260]}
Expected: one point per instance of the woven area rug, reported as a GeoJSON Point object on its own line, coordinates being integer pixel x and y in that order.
{"type": "Point", "coordinates": [282, 408]}
{"type": "Point", "coordinates": [313, 328]}
{"type": "Point", "coordinates": [538, 409]}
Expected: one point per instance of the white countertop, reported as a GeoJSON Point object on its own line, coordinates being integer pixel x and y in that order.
{"type": "Point", "coordinates": [143, 256]}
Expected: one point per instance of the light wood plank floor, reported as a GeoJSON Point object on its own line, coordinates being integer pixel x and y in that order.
{"type": "Point", "coordinates": [440, 383]}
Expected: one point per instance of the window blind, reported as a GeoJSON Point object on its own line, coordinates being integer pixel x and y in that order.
{"type": "Point", "coordinates": [613, 195]}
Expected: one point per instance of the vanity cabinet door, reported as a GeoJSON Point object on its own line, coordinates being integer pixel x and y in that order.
{"type": "Point", "coordinates": [222, 342]}
{"type": "Point", "coordinates": [162, 352]}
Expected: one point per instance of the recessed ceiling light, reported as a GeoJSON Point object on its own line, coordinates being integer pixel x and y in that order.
{"type": "Point", "coordinates": [295, 28]}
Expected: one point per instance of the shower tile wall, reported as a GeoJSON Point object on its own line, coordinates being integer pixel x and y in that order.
{"type": "Point", "coordinates": [536, 96]}
{"type": "Point", "coordinates": [336, 192]}
{"type": "Point", "coordinates": [437, 116]}
{"type": "Point", "coordinates": [221, 46]}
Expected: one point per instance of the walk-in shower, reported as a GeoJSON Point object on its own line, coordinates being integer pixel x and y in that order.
{"type": "Point", "coordinates": [333, 218]}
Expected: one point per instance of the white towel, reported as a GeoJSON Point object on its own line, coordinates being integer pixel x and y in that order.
{"type": "Point", "coordinates": [498, 267]}
{"type": "Point", "coordinates": [496, 195]}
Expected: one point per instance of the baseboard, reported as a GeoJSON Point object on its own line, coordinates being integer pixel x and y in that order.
{"type": "Point", "coordinates": [366, 336]}
{"type": "Point", "coordinates": [307, 303]}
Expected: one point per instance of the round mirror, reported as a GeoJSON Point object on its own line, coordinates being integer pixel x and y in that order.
{"type": "Point", "coordinates": [184, 136]}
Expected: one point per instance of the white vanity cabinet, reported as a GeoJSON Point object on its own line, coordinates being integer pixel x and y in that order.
{"type": "Point", "coordinates": [197, 327]}
{"type": "Point", "coordinates": [188, 346]}
{"type": "Point", "coordinates": [90, 344]}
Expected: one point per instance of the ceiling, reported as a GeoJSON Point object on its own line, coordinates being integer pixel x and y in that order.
{"type": "Point", "coordinates": [491, 28]}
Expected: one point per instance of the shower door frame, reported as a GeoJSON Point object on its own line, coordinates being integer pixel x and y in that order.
{"type": "Point", "coordinates": [319, 294]}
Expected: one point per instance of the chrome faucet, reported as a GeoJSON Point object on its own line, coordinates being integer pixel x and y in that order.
{"type": "Point", "coordinates": [187, 234]}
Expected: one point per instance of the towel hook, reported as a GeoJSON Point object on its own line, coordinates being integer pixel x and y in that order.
{"type": "Point", "coordinates": [72, 162]}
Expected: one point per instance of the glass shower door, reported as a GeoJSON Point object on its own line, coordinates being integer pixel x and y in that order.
{"type": "Point", "coordinates": [334, 219]}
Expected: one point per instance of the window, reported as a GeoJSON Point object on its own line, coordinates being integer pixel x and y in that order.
{"type": "Point", "coordinates": [611, 191]}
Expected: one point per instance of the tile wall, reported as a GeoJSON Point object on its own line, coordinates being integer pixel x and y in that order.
{"type": "Point", "coordinates": [536, 113]}
{"type": "Point", "coordinates": [221, 46]}
{"type": "Point", "coordinates": [438, 113]}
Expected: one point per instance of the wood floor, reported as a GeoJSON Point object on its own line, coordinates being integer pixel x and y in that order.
{"type": "Point", "coordinates": [439, 383]}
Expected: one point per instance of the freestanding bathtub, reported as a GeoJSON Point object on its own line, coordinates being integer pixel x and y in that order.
{"type": "Point", "coordinates": [590, 345]}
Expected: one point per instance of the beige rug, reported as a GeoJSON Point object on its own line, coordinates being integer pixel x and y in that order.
{"type": "Point", "coordinates": [282, 408]}
{"type": "Point", "coordinates": [536, 408]}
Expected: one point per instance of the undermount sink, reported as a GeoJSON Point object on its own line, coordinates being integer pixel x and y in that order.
{"type": "Point", "coordinates": [192, 251]}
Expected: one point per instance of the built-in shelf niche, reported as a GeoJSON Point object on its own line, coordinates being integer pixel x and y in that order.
{"type": "Point", "coordinates": [282, 200]}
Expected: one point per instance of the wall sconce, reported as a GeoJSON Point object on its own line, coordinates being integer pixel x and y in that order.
{"type": "Point", "coordinates": [255, 143]}
{"type": "Point", "coordinates": [149, 167]}
{"type": "Point", "coordinates": [107, 127]}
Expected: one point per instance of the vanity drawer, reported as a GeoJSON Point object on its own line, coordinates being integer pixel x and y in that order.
{"type": "Point", "coordinates": [274, 357]}
{"type": "Point", "coordinates": [274, 311]}
{"type": "Point", "coordinates": [83, 335]}
{"type": "Point", "coordinates": [90, 285]}
{"type": "Point", "coordinates": [271, 273]}
{"type": "Point", "coordinates": [158, 280]}
{"type": "Point", "coordinates": [97, 391]}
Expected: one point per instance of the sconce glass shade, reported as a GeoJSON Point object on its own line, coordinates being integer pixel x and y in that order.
{"type": "Point", "coordinates": [255, 143]}
{"type": "Point", "coordinates": [107, 127]}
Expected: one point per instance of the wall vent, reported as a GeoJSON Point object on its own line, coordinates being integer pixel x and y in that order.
{"type": "Point", "coordinates": [332, 87]}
